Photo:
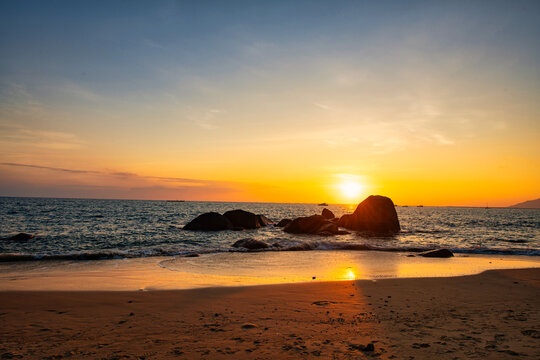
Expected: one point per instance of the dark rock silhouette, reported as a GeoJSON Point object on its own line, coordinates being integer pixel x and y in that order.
{"type": "Point", "coordinates": [283, 223]}
{"type": "Point", "coordinates": [251, 244]}
{"type": "Point", "coordinates": [314, 224]}
{"type": "Point", "coordinates": [439, 253]}
{"type": "Point", "coordinates": [376, 214]}
{"type": "Point", "coordinates": [20, 237]}
{"type": "Point", "coordinates": [327, 214]}
{"type": "Point", "coordinates": [345, 220]}
{"type": "Point", "coordinates": [210, 221]}
{"type": "Point", "coordinates": [263, 220]}
{"type": "Point", "coordinates": [243, 219]}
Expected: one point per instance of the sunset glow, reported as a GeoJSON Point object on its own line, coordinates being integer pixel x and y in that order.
{"type": "Point", "coordinates": [433, 105]}
{"type": "Point", "coordinates": [351, 190]}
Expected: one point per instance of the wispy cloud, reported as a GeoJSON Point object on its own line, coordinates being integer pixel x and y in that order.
{"type": "Point", "coordinates": [15, 134]}
{"type": "Point", "coordinates": [205, 118]}
{"type": "Point", "coordinates": [118, 174]}
{"type": "Point", "coordinates": [322, 106]}
{"type": "Point", "coordinates": [442, 139]}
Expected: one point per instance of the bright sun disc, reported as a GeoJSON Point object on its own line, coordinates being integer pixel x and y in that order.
{"type": "Point", "coordinates": [350, 189]}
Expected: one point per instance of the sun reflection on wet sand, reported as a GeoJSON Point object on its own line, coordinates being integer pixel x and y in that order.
{"type": "Point", "coordinates": [238, 269]}
{"type": "Point", "coordinates": [349, 274]}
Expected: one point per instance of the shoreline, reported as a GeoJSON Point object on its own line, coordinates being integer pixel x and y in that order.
{"type": "Point", "coordinates": [492, 315]}
{"type": "Point", "coordinates": [238, 269]}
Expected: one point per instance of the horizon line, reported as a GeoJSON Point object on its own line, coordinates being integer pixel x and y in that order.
{"type": "Point", "coordinates": [256, 202]}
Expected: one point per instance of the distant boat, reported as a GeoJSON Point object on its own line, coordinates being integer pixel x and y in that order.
{"type": "Point", "coordinates": [420, 206]}
{"type": "Point", "coordinates": [323, 204]}
{"type": "Point", "coordinates": [176, 200]}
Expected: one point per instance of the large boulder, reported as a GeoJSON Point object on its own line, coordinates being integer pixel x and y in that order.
{"type": "Point", "coordinates": [211, 221]}
{"type": "Point", "coordinates": [327, 214]}
{"type": "Point", "coordinates": [243, 219]}
{"type": "Point", "coordinates": [250, 244]}
{"type": "Point", "coordinates": [376, 214]}
{"type": "Point", "coordinates": [314, 224]}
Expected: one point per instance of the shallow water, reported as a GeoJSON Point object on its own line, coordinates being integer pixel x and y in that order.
{"type": "Point", "coordinates": [96, 229]}
{"type": "Point", "coordinates": [241, 269]}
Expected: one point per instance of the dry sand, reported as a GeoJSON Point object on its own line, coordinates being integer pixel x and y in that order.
{"type": "Point", "coordinates": [494, 315]}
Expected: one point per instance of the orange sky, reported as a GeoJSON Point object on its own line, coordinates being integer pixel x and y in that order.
{"type": "Point", "coordinates": [435, 104]}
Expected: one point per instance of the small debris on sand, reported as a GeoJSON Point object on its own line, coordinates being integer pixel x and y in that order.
{"type": "Point", "coordinates": [249, 326]}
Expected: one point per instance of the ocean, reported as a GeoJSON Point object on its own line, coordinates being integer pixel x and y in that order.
{"type": "Point", "coordinates": [87, 229]}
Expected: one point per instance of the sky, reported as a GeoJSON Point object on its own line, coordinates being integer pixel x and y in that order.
{"type": "Point", "coordinates": [427, 102]}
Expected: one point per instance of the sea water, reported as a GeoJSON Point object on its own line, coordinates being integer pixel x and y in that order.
{"type": "Point", "coordinates": [88, 229]}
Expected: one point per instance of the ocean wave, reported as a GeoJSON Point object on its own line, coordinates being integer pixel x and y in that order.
{"type": "Point", "coordinates": [301, 246]}
{"type": "Point", "coordinates": [97, 255]}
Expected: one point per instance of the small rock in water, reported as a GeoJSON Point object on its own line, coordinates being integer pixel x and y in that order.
{"type": "Point", "coordinates": [327, 214]}
{"type": "Point", "coordinates": [439, 253]}
{"type": "Point", "coordinates": [250, 244]}
{"type": "Point", "coordinates": [249, 326]}
{"type": "Point", "coordinates": [21, 237]}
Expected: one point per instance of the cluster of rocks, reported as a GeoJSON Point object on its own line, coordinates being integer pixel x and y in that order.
{"type": "Point", "coordinates": [376, 214]}
{"type": "Point", "coordinates": [231, 220]}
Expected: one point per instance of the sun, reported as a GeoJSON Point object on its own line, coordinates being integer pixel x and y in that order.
{"type": "Point", "coordinates": [351, 189]}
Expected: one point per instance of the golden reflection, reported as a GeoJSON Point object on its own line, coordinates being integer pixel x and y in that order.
{"type": "Point", "coordinates": [349, 274]}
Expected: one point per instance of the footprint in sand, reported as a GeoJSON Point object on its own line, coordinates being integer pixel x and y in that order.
{"type": "Point", "coordinates": [323, 302]}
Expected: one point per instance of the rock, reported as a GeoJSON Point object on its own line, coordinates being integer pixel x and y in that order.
{"type": "Point", "coordinates": [327, 214]}
{"type": "Point", "coordinates": [263, 220]}
{"type": "Point", "coordinates": [243, 219]}
{"type": "Point", "coordinates": [210, 221]}
{"type": "Point", "coordinates": [314, 224]}
{"type": "Point", "coordinates": [250, 244]}
{"type": "Point", "coordinates": [192, 255]}
{"type": "Point", "coordinates": [368, 348]}
{"type": "Point", "coordinates": [328, 226]}
{"type": "Point", "coordinates": [345, 220]}
{"type": "Point", "coordinates": [284, 222]}
{"type": "Point", "coordinates": [439, 253]}
{"type": "Point", "coordinates": [20, 237]}
{"type": "Point", "coordinates": [376, 214]}
{"type": "Point", "coordinates": [248, 326]}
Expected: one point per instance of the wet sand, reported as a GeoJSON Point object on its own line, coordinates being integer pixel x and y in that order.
{"type": "Point", "coordinates": [493, 315]}
{"type": "Point", "coordinates": [243, 269]}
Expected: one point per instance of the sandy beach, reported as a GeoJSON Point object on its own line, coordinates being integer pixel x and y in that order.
{"type": "Point", "coordinates": [492, 315]}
